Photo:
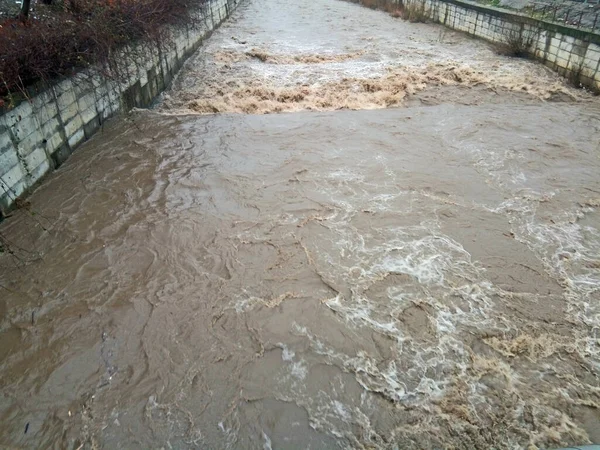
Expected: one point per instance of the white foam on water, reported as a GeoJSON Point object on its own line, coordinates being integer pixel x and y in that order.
{"type": "Point", "coordinates": [267, 444]}
{"type": "Point", "coordinates": [341, 410]}
{"type": "Point", "coordinates": [438, 275]}
{"type": "Point", "coordinates": [360, 312]}
{"type": "Point", "coordinates": [287, 354]}
{"type": "Point", "coordinates": [299, 370]}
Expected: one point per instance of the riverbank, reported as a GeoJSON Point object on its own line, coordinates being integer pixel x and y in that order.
{"type": "Point", "coordinates": [571, 51]}
{"type": "Point", "coordinates": [39, 134]}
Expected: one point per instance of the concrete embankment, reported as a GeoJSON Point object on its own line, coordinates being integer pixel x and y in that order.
{"type": "Point", "coordinates": [572, 52]}
{"type": "Point", "coordinates": [39, 135]}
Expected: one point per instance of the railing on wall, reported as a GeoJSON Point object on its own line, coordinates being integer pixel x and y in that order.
{"type": "Point", "coordinates": [572, 52]}
{"type": "Point", "coordinates": [582, 15]}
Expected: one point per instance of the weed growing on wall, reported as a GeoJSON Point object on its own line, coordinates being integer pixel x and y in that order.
{"type": "Point", "coordinates": [515, 43]}
{"type": "Point", "coordinates": [415, 12]}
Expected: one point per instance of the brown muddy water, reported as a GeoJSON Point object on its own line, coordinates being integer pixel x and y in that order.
{"type": "Point", "coordinates": [425, 276]}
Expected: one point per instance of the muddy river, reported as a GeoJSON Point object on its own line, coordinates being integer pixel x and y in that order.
{"type": "Point", "coordinates": [406, 256]}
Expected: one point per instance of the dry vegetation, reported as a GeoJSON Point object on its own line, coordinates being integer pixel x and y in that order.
{"type": "Point", "coordinates": [74, 34]}
{"type": "Point", "coordinates": [515, 43]}
{"type": "Point", "coordinates": [413, 12]}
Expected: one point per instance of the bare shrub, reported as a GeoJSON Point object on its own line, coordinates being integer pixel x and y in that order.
{"type": "Point", "coordinates": [415, 12]}
{"type": "Point", "coordinates": [389, 7]}
{"type": "Point", "coordinates": [373, 4]}
{"type": "Point", "coordinates": [394, 8]}
{"type": "Point", "coordinates": [81, 33]}
{"type": "Point", "coordinates": [575, 75]}
{"type": "Point", "coordinates": [515, 43]}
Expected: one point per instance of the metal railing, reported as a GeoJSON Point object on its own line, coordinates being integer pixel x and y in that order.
{"type": "Point", "coordinates": [583, 15]}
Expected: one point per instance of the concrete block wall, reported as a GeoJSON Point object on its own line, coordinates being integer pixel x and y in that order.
{"type": "Point", "coordinates": [572, 52]}
{"type": "Point", "coordinates": [40, 134]}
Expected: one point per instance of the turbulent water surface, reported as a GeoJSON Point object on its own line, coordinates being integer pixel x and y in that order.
{"type": "Point", "coordinates": [418, 270]}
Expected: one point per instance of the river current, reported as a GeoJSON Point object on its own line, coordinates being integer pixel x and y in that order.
{"type": "Point", "coordinates": [338, 229]}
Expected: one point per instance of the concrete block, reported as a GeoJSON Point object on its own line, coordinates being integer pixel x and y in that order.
{"type": "Point", "coordinates": [585, 78]}
{"type": "Point", "coordinates": [37, 173]}
{"type": "Point", "coordinates": [553, 50]}
{"type": "Point", "coordinates": [109, 109]}
{"type": "Point", "coordinates": [65, 99]}
{"type": "Point", "coordinates": [591, 64]}
{"type": "Point", "coordinates": [555, 42]}
{"type": "Point", "coordinates": [550, 57]}
{"type": "Point", "coordinates": [54, 142]}
{"type": "Point", "coordinates": [46, 112]}
{"type": "Point", "coordinates": [593, 48]}
{"type": "Point", "coordinates": [41, 99]}
{"type": "Point", "coordinates": [89, 114]}
{"type": "Point", "coordinates": [563, 54]}
{"type": "Point", "coordinates": [61, 155]}
{"type": "Point", "coordinates": [21, 121]}
{"type": "Point", "coordinates": [3, 125]}
{"type": "Point", "coordinates": [143, 78]}
{"type": "Point", "coordinates": [86, 101]}
{"type": "Point", "coordinates": [64, 86]}
{"type": "Point", "coordinates": [565, 46]}
{"type": "Point", "coordinates": [575, 62]}
{"type": "Point", "coordinates": [30, 143]}
{"type": "Point", "coordinates": [12, 177]}
{"type": "Point", "coordinates": [561, 62]}
{"type": "Point", "coordinates": [34, 159]}
{"type": "Point", "coordinates": [69, 111]}
{"type": "Point", "coordinates": [592, 56]}
{"type": "Point", "coordinates": [100, 92]}
{"type": "Point", "coordinates": [91, 126]}
{"type": "Point", "coordinates": [579, 47]}
{"type": "Point", "coordinates": [73, 126]}
{"type": "Point", "coordinates": [25, 109]}
{"type": "Point", "coordinates": [5, 141]}
{"type": "Point", "coordinates": [541, 39]}
{"type": "Point", "coordinates": [24, 127]}
{"type": "Point", "coordinates": [50, 128]}
{"type": "Point", "coordinates": [102, 103]}
{"type": "Point", "coordinates": [82, 86]}
{"type": "Point", "coordinates": [76, 139]}
{"type": "Point", "coordinates": [8, 159]}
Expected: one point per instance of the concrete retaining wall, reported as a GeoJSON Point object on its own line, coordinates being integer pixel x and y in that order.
{"type": "Point", "coordinates": [572, 52]}
{"type": "Point", "coordinates": [39, 135]}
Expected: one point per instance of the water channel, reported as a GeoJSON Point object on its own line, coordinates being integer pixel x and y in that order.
{"type": "Point", "coordinates": [338, 229]}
